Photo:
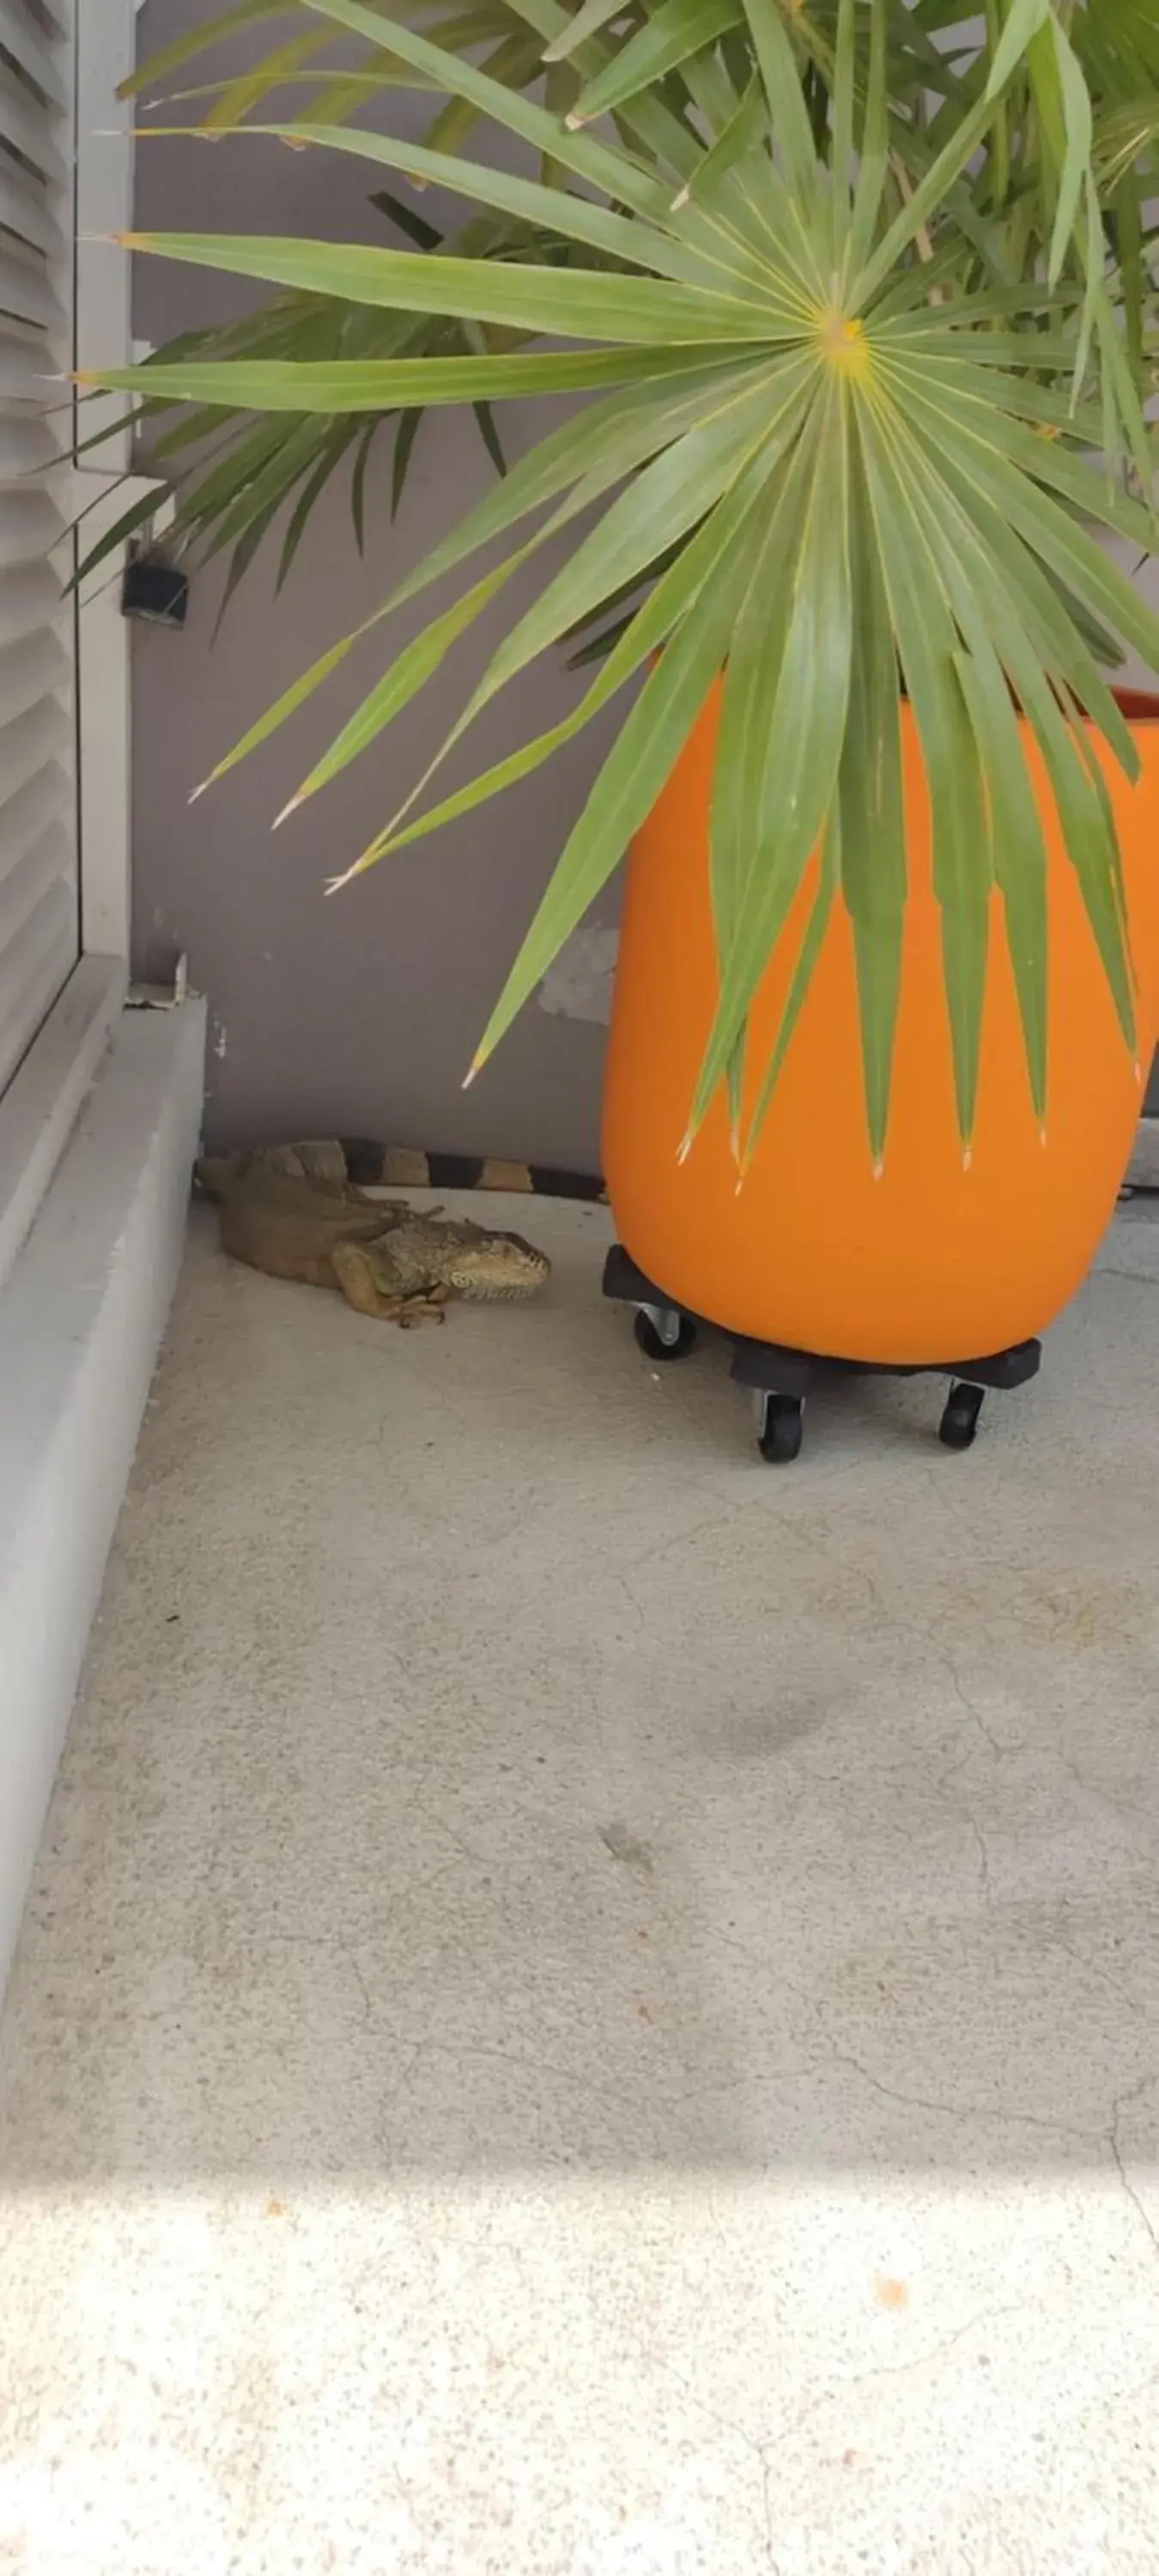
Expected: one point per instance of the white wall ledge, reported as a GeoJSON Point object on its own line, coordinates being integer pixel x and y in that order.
{"type": "Point", "coordinates": [1144, 1167]}
{"type": "Point", "coordinates": [81, 1319]}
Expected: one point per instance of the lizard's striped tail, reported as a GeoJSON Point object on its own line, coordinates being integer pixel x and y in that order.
{"type": "Point", "coordinates": [368, 1166]}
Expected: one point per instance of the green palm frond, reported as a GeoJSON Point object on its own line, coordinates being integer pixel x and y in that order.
{"type": "Point", "coordinates": [1128, 137]}
{"type": "Point", "coordinates": [849, 351]}
{"type": "Point", "coordinates": [1027, 199]}
{"type": "Point", "coordinates": [243, 476]}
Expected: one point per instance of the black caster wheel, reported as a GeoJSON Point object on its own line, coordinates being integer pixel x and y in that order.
{"type": "Point", "coordinates": [959, 1423]}
{"type": "Point", "coordinates": [670, 1338]}
{"type": "Point", "coordinates": [782, 1429]}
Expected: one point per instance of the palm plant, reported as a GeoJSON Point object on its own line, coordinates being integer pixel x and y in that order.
{"type": "Point", "coordinates": [864, 305]}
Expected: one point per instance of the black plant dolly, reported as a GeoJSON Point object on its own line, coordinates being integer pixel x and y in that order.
{"type": "Point", "coordinates": [782, 1379]}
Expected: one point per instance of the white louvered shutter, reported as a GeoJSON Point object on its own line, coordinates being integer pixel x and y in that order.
{"type": "Point", "coordinates": [39, 912]}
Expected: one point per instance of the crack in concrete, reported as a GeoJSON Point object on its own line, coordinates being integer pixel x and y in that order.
{"type": "Point", "coordinates": [767, 2494]}
{"type": "Point", "coordinates": [1094, 1968]}
{"type": "Point", "coordinates": [962, 2110]}
{"type": "Point", "coordinates": [1138, 2204]}
{"type": "Point", "coordinates": [1090, 1789]}
{"type": "Point", "coordinates": [765, 2445]}
{"type": "Point", "coordinates": [927, 1635]}
{"type": "Point", "coordinates": [983, 1860]}
{"type": "Point", "coordinates": [1133, 2093]}
{"type": "Point", "coordinates": [355, 1965]}
{"type": "Point", "coordinates": [974, 1714]}
{"type": "Point", "coordinates": [772, 2442]}
{"type": "Point", "coordinates": [651, 2360]}
{"type": "Point", "coordinates": [520, 2062]}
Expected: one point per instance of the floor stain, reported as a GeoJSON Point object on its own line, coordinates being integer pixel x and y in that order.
{"type": "Point", "coordinates": [627, 1847]}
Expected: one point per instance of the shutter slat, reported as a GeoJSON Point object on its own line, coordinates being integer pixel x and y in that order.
{"type": "Point", "coordinates": [39, 923]}
{"type": "Point", "coordinates": [47, 799]}
{"type": "Point", "coordinates": [42, 733]}
{"type": "Point", "coordinates": [29, 253]}
{"type": "Point", "coordinates": [29, 600]}
{"type": "Point", "coordinates": [25, 365]}
{"type": "Point", "coordinates": [20, 37]}
{"type": "Point", "coordinates": [25, 887]}
{"type": "Point", "coordinates": [30, 526]}
{"type": "Point", "coordinates": [40, 959]}
{"type": "Point", "coordinates": [53, 22]}
{"type": "Point", "coordinates": [26, 210]}
{"type": "Point", "coordinates": [29, 671]}
{"type": "Point", "coordinates": [27, 446]}
{"type": "Point", "coordinates": [28, 124]}
{"type": "Point", "coordinates": [26, 294]}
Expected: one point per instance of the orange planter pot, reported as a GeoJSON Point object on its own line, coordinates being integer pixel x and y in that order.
{"type": "Point", "coordinates": [932, 1261]}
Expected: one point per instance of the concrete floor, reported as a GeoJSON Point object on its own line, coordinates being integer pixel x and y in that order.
{"type": "Point", "coordinates": [591, 2007]}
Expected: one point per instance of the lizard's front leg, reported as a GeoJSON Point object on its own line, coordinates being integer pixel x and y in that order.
{"type": "Point", "coordinates": [363, 1274]}
{"type": "Point", "coordinates": [360, 1276]}
{"type": "Point", "coordinates": [427, 1306]}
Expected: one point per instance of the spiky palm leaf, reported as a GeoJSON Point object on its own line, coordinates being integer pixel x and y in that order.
{"type": "Point", "coordinates": [835, 368]}
{"type": "Point", "coordinates": [234, 477]}
{"type": "Point", "coordinates": [933, 72]}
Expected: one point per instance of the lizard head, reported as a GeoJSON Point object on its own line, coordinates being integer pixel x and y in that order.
{"type": "Point", "coordinates": [493, 1265]}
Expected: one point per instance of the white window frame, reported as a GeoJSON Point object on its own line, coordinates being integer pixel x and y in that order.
{"type": "Point", "coordinates": [39, 1107]}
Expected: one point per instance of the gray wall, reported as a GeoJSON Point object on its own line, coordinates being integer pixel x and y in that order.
{"type": "Point", "coordinates": [358, 1014]}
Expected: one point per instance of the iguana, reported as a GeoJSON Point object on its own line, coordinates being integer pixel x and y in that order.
{"type": "Point", "coordinates": [297, 1212]}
